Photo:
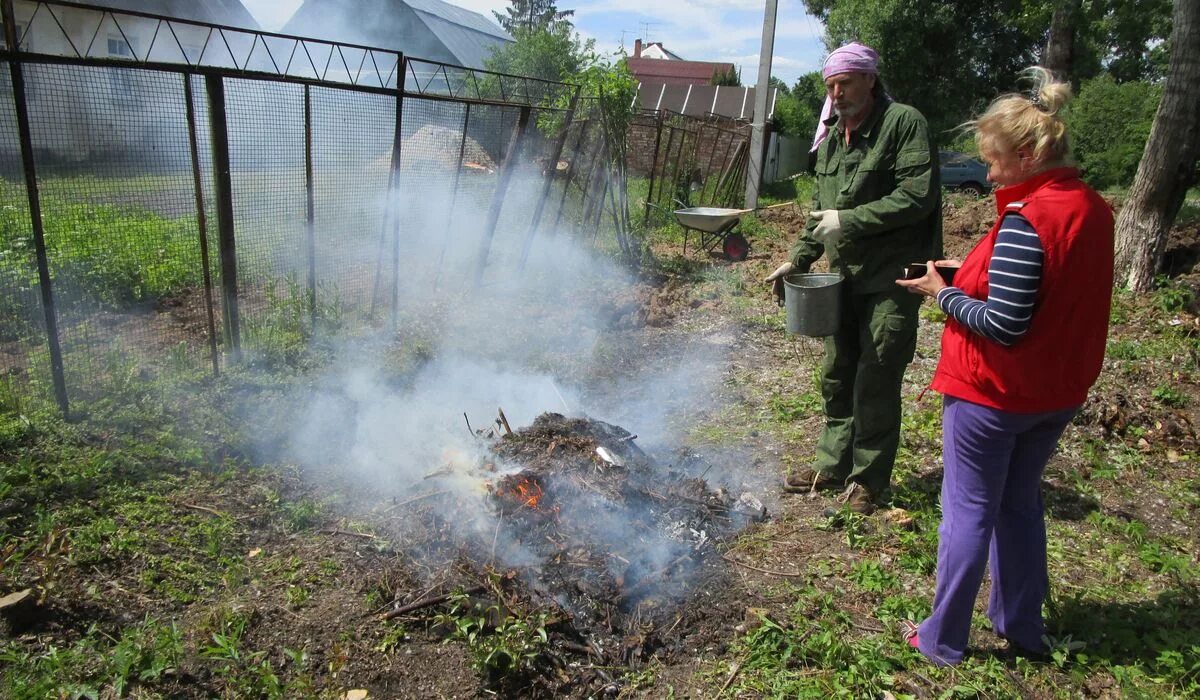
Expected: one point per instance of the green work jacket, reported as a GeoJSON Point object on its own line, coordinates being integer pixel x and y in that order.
{"type": "Point", "coordinates": [886, 188]}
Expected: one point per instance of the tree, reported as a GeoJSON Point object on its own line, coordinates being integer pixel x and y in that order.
{"type": "Point", "coordinates": [946, 58]}
{"type": "Point", "coordinates": [1059, 56]}
{"type": "Point", "coordinates": [798, 108]}
{"type": "Point", "coordinates": [727, 77]}
{"type": "Point", "coordinates": [529, 15]}
{"type": "Point", "coordinates": [949, 58]}
{"type": "Point", "coordinates": [1168, 166]}
{"type": "Point", "coordinates": [1109, 123]}
{"type": "Point", "coordinates": [554, 53]}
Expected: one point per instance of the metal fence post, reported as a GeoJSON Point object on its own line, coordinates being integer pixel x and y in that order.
{"type": "Point", "coordinates": [310, 234]}
{"type": "Point", "coordinates": [462, 153]}
{"type": "Point", "coordinates": [226, 241]}
{"type": "Point", "coordinates": [201, 222]}
{"type": "Point", "coordinates": [658, 127]}
{"type": "Point", "coordinates": [397, 154]}
{"type": "Point", "coordinates": [580, 144]}
{"type": "Point", "coordinates": [666, 161]}
{"type": "Point", "coordinates": [35, 213]}
{"type": "Point", "coordinates": [510, 164]}
{"type": "Point", "coordinates": [554, 158]}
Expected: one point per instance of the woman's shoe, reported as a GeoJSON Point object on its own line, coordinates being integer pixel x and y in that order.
{"type": "Point", "coordinates": [908, 630]}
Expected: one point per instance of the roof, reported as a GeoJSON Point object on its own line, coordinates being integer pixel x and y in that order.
{"type": "Point", "coordinates": [429, 29]}
{"type": "Point", "coordinates": [675, 72]}
{"type": "Point", "coordinates": [227, 12]}
{"type": "Point", "coordinates": [460, 16]}
{"type": "Point", "coordinates": [666, 54]}
{"type": "Point", "coordinates": [702, 100]}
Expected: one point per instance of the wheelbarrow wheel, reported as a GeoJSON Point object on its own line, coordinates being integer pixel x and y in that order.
{"type": "Point", "coordinates": [736, 247]}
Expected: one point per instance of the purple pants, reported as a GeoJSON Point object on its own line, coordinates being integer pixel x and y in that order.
{"type": "Point", "coordinates": [991, 500]}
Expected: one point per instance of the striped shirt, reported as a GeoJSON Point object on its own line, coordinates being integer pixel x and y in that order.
{"type": "Point", "coordinates": [1014, 274]}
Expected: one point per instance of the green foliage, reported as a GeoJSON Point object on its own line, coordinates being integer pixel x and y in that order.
{"type": "Point", "coordinates": [726, 77]}
{"type": "Point", "coordinates": [1169, 395]}
{"type": "Point", "coordinates": [797, 109]}
{"type": "Point", "coordinates": [100, 256]}
{"type": "Point", "coordinates": [811, 659]}
{"type": "Point", "coordinates": [872, 577]}
{"type": "Point", "coordinates": [945, 59]}
{"type": "Point", "coordinates": [1172, 296]}
{"type": "Point", "coordinates": [788, 408]}
{"type": "Point", "coordinates": [508, 647]}
{"type": "Point", "coordinates": [247, 672]}
{"type": "Point", "coordinates": [530, 15]}
{"type": "Point", "coordinates": [949, 59]}
{"type": "Point", "coordinates": [279, 335]}
{"type": "Point", "coordinates": [1109, 123]}
{"type": "Point", "coordinates": [554, 53]}
{"type": "Point", "coordinates": [141, 655]}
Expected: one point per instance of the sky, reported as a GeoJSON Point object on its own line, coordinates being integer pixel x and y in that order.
{"type": "Point", "coordinates": [698, 30]}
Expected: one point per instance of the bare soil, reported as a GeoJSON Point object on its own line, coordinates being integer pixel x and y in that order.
{"type": "Point", "coordinates": [610, 614]}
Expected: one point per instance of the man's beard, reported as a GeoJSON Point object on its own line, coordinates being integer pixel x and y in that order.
{"type": "Point", "coordinates": [850, 111]}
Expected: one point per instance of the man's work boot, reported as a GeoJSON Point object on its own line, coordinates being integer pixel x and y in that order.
{"type": "Point", "coordinates": [809, 479]}
{"type": "Point", "coordinates": [858, 498]}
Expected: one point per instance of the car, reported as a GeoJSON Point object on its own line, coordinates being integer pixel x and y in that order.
{"type": "Point", "coordinates": [963, 173]}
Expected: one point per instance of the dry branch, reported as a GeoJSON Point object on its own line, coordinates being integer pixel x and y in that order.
{"type": "Point", "coordinates": [429, 602]}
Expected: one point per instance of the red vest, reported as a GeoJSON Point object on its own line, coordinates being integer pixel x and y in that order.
{"type": "Point", "coordinates": [1054, 364]}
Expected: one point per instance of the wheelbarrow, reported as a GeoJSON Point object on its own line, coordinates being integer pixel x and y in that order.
{"type": "Point", "coordinates": [715, 226]}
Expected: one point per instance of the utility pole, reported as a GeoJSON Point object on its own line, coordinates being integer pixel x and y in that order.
{"type": "Point", "coordinates": [754, 162]}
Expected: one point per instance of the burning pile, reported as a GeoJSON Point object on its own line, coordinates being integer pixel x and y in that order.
{"type": "Point", "coordinates": [590, 528]}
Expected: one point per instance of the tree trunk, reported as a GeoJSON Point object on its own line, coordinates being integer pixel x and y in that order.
{"type": "Point", "coordinates": [1060, 45]}
{"type": "Point", "coordinates": [1168, 166]}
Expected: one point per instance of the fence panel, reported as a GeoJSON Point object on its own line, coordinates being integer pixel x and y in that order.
{"type": "Point", "coordinates": [118, 206]}
{"type": "Point", "coordinates": [345, 200]}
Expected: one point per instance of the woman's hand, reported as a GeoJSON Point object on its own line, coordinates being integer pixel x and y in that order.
{"type": "Point", "coordinates": [929, 285]}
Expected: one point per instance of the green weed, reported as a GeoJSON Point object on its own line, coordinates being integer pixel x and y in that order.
{"type": "Point", "coordinates": [1169, 396]}
{"type": "Point", "coordinates": [1171, 296]}
{"type": "Point", "coordinates": [508, 647]}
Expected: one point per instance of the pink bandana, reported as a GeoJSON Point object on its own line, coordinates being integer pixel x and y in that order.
{"type": "Point", "coordinates": [851, 58]}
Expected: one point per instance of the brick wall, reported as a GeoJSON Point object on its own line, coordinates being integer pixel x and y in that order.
{"type": "Point", "coordinates": [708, 143]}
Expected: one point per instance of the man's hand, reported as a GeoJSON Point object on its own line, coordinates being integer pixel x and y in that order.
{"type": "Point", "coordinates": [776, 280]}
{"type": "Point", "coordinates": [829, 226]}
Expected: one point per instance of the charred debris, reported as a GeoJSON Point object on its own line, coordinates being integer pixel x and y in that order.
{"type": "Point", "coordinates": [611, 550]}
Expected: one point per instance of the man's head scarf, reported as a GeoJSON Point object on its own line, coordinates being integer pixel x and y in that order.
{"type": "Point", "coordinates": [851, 58]}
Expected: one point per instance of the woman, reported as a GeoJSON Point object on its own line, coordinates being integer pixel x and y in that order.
{"type": "Point", "coordinates": [1023, 343]}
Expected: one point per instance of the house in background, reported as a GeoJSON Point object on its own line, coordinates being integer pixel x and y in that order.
{"type": "Point", "coordinates": [654, 64]}
{"type": "Point", "coordinates": [119, 116]}
{"type": "Point", "coordinates": [669, 83]}
{"type": "Point", "coordinates": [428, 29]}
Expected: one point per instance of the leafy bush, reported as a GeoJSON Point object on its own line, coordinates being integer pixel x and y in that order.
{"type": "Point", "coordinates": [1110, 123]}
{"type": "Point", "coordinates": [100, 255]}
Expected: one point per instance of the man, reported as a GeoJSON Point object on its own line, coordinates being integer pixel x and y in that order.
{"type": "Point", "coordinates": [876, 208]}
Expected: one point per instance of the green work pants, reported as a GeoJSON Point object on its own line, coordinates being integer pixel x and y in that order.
{"type": "Point", "coordinates": [862, 374]}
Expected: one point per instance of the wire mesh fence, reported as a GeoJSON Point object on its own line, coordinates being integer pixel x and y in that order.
{"type": "Point", "coordinates": [213, 210]}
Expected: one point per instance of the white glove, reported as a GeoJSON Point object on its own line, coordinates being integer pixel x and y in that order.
{"type": "Point", "coordinates": [829, 228]}
{"type": "Point", "coordinates": [779, 272]}
{"type": "Point", "coordinates": [776, 280]}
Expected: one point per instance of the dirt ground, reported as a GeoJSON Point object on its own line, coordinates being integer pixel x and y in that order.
{"type": "Point", "coordinates": [373, 553]}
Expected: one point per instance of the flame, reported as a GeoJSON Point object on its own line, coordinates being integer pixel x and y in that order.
{"type": "Point", "coordinates": [527, 492]}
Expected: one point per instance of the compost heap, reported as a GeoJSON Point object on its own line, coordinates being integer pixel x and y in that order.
{"type": "Point", "coordinates": [613, 544]}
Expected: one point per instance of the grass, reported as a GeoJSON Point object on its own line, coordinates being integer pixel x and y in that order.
{"type": "Point", "coordinates": [102, 255]}
{"type": "Point", "coordinates": [149, 497]}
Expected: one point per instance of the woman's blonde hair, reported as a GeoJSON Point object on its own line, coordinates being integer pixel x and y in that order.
{"type": "Point", "coordinates": [1034, 121]}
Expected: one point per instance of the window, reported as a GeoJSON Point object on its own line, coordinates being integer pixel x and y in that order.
{"type": "Point", "coordinates": [191, 52]}
{"type": "Point", "coordinates": [117, 46]}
